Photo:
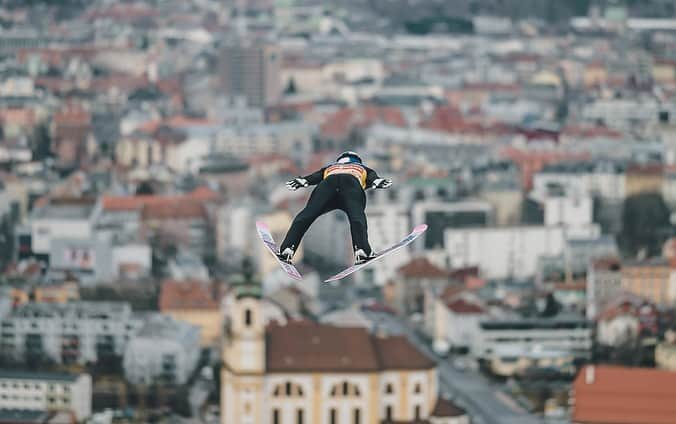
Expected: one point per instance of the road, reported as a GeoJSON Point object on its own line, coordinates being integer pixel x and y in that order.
{"type": "Point", "coordinates": [483, 400]}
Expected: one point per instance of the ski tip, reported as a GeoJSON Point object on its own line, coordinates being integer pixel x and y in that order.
{"type": "Point", "coordinates": [420, 228]}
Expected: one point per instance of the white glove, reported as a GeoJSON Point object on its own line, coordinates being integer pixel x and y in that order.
{"type": "Point", "coordinates": [382, 183]}
{"type": "Point", "coordinates": [296, 183]}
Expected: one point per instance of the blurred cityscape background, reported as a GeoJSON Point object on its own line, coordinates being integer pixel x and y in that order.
{"type": "Point", "coordinates": [141, 140]}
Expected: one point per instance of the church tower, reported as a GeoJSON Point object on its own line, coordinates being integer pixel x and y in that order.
{"type": "Point", "coordinates": [243, 354]}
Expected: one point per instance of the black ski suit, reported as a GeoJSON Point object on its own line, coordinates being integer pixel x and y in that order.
{"type": "Point", "coordinates": [339, 186]}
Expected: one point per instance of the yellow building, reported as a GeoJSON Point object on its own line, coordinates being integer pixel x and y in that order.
{"type": "Point", "coordinates": [664, 71]}
{"type": "Point", "coordinates": [651, 279]}
{"type": "Point", "coordinates": [644, 179]}
{"type": "Point", "coordinates": [194, 302]}
{"type": "Point", "coordinates": [304, 372]}
{"type": "Point", "coordinates": [58, 293]}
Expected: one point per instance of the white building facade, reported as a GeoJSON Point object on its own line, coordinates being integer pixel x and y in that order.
{"type": "Point", "coordinates": [503, 252]}
{"type": "Point", "coordinates": [75, 332]}
{"type": "Point", "coordinates": [36, 391]}
{"type": "Point", "coordinates": [165, 350]}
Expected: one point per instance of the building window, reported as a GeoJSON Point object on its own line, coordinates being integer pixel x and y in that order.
{"type": "Point", "coordinates": [275, 416]}
{"type": "Point", "coordinates": [300, 417]}
{"type": "Point", "coordinates": [388, 412]}
{"type": "Point", "coordinates": [417, 389]}
{"type": "Point", "coordinates": [417, 412]}
{"type": "Point", "coordinates": [288, 389]}
{"type": "Point", "coordinates": [389, 389]}
{"type": "Point", "coordinates": [357, 416]}
{"type": "Point", "coordinates": [345, 389]}
{"type": "Point", "coordinates": [247, 317]}
{"type": "Point", "coordinates": [332, 416]}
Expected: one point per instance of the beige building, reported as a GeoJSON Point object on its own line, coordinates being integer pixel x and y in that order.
{"type": "Point", "coordinates": [644, 179]}
{"type": "Point", "coordinates": [195, 302]}
{"type": "Point", "coordinates": [304, 372]}
{"type": "Point", "coordinates": [654, 279]}
{"type": "Point", "coordinates": [507, 204]}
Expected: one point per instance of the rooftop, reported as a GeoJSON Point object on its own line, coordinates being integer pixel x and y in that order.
{"type": "Point", "coordinates": [68, 211]}
{"type": "Point", "coordinates": [186, 295]}
{"type": "Point", "coordinates": [422, 268]}
{"type": "Point", "coordinates": [461, 306]}
{"type": "Point", "coordinates": [446, 408]}
{"type": "Point", "coordinates": [619, 395]}
{"type": "Point", "coordinates": [305, 346]}
{"type": "Point", "coordinates": [88, 309]}
{"type": "Point", "coordinates": [41, 376]}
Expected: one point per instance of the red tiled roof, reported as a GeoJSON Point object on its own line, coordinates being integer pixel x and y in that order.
{"type": "Point", "coordinates": [422, 268]}
{"type": "Point", "coordinates": [397, 353]}
{"type": "Point", "coordinates": [339, 124]}
{"type": "Point", "coordinates": [72, 114]}
{"type": "Point", "coordinates": [305, 346]}
{"type": "Point", "coordinates": [591, 132]}
{"type": "Point", "coordinates": [446, 408]}
{"type": "Point", "coordinates": [461, 306]}
{"type": "Point", "coordinates": [619, 395]}
{"type": "Point", "coordinates": [186, 295]}
{"type": "Point", "coordinates": [451, 292]}
{"type": "Point", "coordinates": [636, 169]}
{"type": "Point", "coordinates": [131, 203]}
{"type": "Point", "coordinates": [174, 209]}
{"type": "Point", "coordinates": [204, 193]}
{"type": "Point", "coordinates": [607, 264]}
{"type": "Point", "coordinates": [128, 203]}
{"type": "Point", "coordinates": [572, 286]}
{"type": "Point", "coordinates": [449, 119]}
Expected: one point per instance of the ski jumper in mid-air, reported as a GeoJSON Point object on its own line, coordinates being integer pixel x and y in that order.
{"type": "Point", "coordinates": [340, 185]}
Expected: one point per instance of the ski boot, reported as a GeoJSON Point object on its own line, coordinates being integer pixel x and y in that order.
{"type": "Point", "coordinates": [360, 257]}
{"type": "Point", "coordinates": [286, 255]}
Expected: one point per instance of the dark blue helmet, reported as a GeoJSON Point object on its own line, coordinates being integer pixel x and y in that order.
{"type": "Point", "coordinates": [348, 157]}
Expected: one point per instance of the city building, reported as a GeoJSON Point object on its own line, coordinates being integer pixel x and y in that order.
{"type": "Point", "coordinates": [644, 179]}
{"type": "Point", "coordinates": [452, 320]}
{"type": "Point", "coordinates": [568, 334]}
{"type": "Point", "coordinates": [514, 251]}
{"type": "Point", "coordinates": [74, 332]}
{"type": "Point", "coordinates": [603, 179]}
{"type": "Point", "coordinates": [604, 282]}
{"type": "Point", "coordinates": [625, 318]}
{"type": "Point", "coordinates": [405, 293]}
{"type": "Point", "coordinates": [195, 302]}
{"type": "Point", "coordinates": [164, 351]}
{"type": "Point", "coordinates": [514, 361]}
{"type": "Point", "coordinates": [387, 225]}
{"type": "Point", "coordinates": [61, 218]}
{"type": "Point", "coordinates": [653, 279]}
{"type": "Point", "coordinates": [618, 395]}
{"type": "Point", "coordinates": [42, 391]}
{"type": "Point", "coordinates": [440, 216]}
{"type": "Point", "coordinates": [251, 69]}
{"type": "Point", "coordinates": [307, 372]}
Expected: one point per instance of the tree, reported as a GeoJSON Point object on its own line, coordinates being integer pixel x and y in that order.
{"type": "Point", "coordinates": [41, 142]}
{"type": "Point", "coordinates": [291, 87]}
{"type": "Point", "coordinates": [645, 221]}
